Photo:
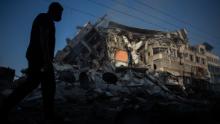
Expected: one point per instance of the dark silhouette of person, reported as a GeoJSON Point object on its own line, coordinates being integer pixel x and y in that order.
{"type": "Point", "coordinates": [40, 55]}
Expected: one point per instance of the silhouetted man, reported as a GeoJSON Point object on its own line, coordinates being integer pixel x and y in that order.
{"type": "Point", "coordinates": [40, 55]}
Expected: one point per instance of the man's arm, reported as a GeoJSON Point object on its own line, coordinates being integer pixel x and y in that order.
{"type": "Point", "coordinates": [44, 42]}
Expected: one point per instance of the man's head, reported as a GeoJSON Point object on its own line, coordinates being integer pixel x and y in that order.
{"type": "Point", "coordinates": [55, 11]}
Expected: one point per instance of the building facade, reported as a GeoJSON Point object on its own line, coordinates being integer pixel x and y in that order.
{"type": "Point", "coordinates": [140, 49]}
{"type": "Point", "coordinates": [163, 52]}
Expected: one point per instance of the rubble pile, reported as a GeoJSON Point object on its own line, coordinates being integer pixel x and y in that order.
{"type": "Point", "coordinates": [100, 102]}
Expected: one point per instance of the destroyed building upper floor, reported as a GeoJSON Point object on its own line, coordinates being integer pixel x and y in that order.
{"type": "Point", "coordinates": [129, 47]}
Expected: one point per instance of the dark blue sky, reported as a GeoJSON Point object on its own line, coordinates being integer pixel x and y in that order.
{"type": "Point", "coordinates": [201, 17]}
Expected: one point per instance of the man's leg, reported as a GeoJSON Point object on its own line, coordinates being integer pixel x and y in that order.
{"type": "Point", "coordinates": [48, 91]}
{"type": "Point", "coordinates": [21, 91]}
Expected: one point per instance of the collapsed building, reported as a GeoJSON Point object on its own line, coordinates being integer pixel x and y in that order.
{"type": "Point", "coordinates": [117, 47]}
{"type": "Point", "coordinates": [130, 65]}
